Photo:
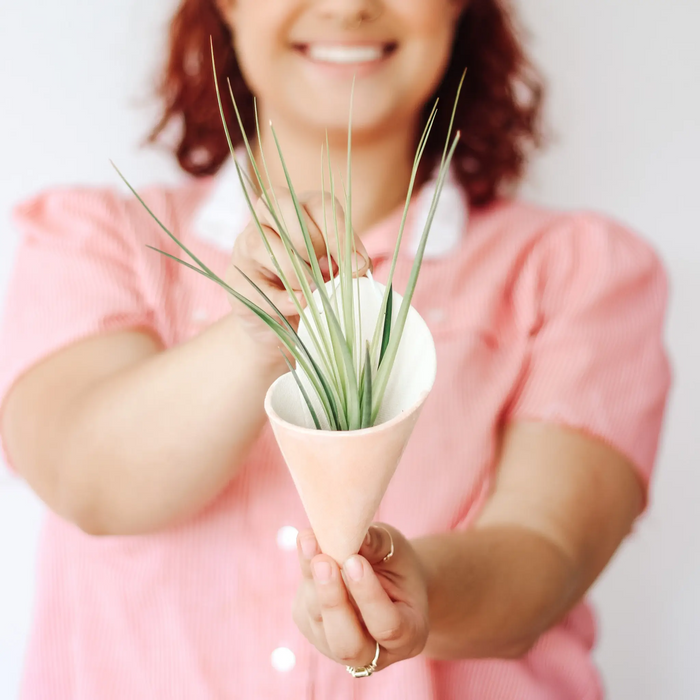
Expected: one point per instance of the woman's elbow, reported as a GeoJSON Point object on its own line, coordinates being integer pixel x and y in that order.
{"type": "Point", "coordinates": [79, 506]}
{"type": "Point", "coordinates": [517, 648]}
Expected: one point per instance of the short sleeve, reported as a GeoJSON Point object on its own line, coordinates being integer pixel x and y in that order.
{"type": "Point", "coordinates": [597, 360]}
{"type": "Point", "coordinates": [74, 276]}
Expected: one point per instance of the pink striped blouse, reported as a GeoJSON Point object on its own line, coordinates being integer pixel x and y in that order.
{"type": "Point", "coordinates": [536, 314]}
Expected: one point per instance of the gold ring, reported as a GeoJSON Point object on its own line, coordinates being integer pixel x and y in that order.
{"type": "Point", "coordinates": [365, 671]}
{"type": "Point", "coordinates": [391, 541]}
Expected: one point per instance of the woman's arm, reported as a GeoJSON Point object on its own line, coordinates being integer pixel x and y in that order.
{"type": "Point", "coordinates": [561, 505]}
{"type": "Point", "coordinates": [122, 437]}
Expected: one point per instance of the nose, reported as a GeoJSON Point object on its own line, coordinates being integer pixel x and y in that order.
{"type": "Point", "coordinates": [350, 13]}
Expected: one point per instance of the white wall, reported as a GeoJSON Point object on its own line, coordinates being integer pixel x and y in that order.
{"type": "Point", "coordinates": [626, 106]}
{"type": "Point", "coordinates": [625, 101]}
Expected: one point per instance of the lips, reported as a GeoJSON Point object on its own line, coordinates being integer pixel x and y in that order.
{"type": "Point", "coordinates": [346, 54]}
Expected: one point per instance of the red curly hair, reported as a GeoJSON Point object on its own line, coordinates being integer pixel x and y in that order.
{"type": "Point", "coordinates": [499, 119]}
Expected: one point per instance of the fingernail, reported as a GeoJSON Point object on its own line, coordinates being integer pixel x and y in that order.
{"type": "Point", "coordinates": [359, 261]}
{"type": "Point", "coordinates": [354, 569]}
{"type": "Point", "coordinates": [322, 571]}
{"type": "Point", "coordinates": [309, 547]}
{"type": "Point", "coordinates": [368, 538]}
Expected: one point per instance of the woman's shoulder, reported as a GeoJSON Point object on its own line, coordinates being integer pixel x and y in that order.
{"type": "Point", "coordinates": [60, 211]}
{"type": "Point", "coordinates": [74, 212]}
{"type": "Point", "coordinates": [531, 231]}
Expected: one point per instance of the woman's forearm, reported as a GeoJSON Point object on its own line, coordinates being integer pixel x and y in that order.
{"type": "Point", "coordinates": [493, 591]}
{"type": "Point", "coordinates": [156, 442]}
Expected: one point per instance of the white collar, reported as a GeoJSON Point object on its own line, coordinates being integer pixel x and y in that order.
{"type": "Point", "coordinates": [224, 214]}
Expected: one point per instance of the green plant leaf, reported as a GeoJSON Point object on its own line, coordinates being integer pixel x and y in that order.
{"type": "Point", "coordinates": [335, 420]}
{"type": "Point", "coordinates": [409, 194]}
{"type": "Point", "coordinates": [341, 343]}
{"type": "Point", "coordinates": [367, 389]}
{"type": "Point", "coordinates": [393, 346]}
{"type": "Point", "coordinates": [385, 368]}
{"type": "Point", "coordinates": [328, 396]}
{"type": "Point", "coordinates": [345, 383]}
{"type": "Point", "coordinates": [386, 333]}
{"type": "Point", "coordinates": [309, 405]}
{"type": "Point", "coordinates": [349, 306]}
{"type": "Point", "coordinates": [272, 205]}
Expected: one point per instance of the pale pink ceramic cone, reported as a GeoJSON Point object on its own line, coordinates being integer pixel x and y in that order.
{"type": "Point", "coordinates": [341, 477]}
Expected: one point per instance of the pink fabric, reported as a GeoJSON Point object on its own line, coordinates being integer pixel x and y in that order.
{"type": "Point", "coordinates": [538, 315]}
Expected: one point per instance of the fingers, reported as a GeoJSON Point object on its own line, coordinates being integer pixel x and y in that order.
{"type": "Point", "coordinates": [307, 549]}
{"type": "Point", "coordinates": [314, 207]}
{"type": "Point", "coordinates": [347, 640]}
{"type": "Point", "coordinates": [381, 615]}
{"type": "Point", "coordinates": [279, 297]}
{"type": "Point", "coordinates": [389, 622]}
{"type": "Point", "coordinates": [288, 217]}
{"type": "Point", "coordinates": [258, 257]}
{"type": "Point", "coordinates": [251, 258]}
{"type": "Point", "coordinates": [251, 254]}
{"type": "Point", "coordinates": [346, 613]}
{"type": "Point", "coordinates": [307, 612]}
{"type": "Point", "coordinates": [258, 253]}
{"type": "Point", "coordinates": [378, 544]}
{"type": "Point", "coordinates": [390, 594]}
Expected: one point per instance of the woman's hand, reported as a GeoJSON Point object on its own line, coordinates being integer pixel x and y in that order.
{"type": "Point", "coordinates": [547, 530]}
{"type": "Point", "coordinates": [390, 600]}
{"type": "Point", "coordinates": [250, 256]}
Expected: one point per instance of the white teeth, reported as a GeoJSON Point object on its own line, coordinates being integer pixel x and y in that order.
{"type": "Point", "coordinates": [345, 54]}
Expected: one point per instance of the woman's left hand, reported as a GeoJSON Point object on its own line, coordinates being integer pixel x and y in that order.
{"type": "Point", "coordinates": [390, 600]}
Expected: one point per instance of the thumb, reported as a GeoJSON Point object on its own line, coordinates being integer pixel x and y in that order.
{"type": "Point", "coordinates": [380, 544]}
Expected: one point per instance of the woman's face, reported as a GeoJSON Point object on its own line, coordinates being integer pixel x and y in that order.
{"type": "Point", "coordinates": [299, 57]}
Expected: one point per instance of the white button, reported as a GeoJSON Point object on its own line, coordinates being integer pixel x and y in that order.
{"type": "Point", "coordinates": [200, 316]}
{"type": "Point", "coordinates": [287, 538]}
{"type": "Point", "coordinates": [283, 659]}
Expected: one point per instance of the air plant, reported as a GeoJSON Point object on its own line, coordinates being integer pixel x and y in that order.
{"type": "Point", "coordinates": [341, 378]}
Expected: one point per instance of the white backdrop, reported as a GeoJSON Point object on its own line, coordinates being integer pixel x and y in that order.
{"type": "Point", "coordinates": [625, 105]}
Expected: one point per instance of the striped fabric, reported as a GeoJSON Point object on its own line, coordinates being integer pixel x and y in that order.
{"type": "Point", "coordinates": [536, 315]}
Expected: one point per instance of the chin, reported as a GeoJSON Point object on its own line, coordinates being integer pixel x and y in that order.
{"type": "Point", "coordinates": [368, 116]}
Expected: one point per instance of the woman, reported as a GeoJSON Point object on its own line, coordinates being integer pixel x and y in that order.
{"type": "Point", "coordinates": [132, 391]}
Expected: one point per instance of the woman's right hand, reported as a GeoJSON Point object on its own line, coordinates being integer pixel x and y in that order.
{"type": "Point", "coordinates": [251, 257]}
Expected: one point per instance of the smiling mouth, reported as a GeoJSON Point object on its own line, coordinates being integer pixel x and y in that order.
{"type": "Point", "coordinates": [346, 54]}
